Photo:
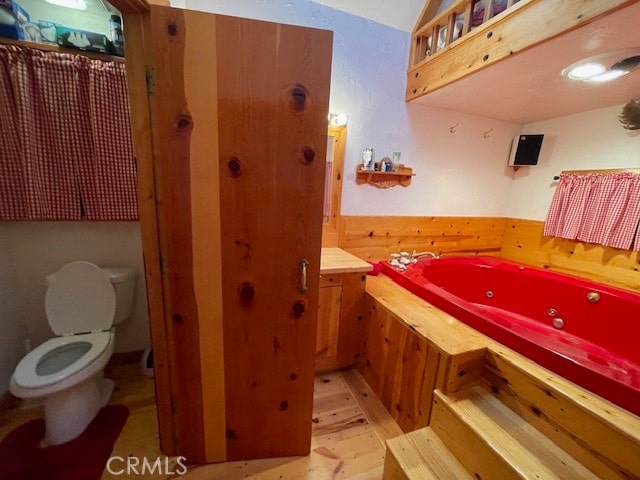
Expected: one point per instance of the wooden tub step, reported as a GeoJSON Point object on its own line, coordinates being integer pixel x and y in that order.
{"type": "Point", "coordinates": [492, 441]}
{"type": "Point", "coordinates": [421, 455]}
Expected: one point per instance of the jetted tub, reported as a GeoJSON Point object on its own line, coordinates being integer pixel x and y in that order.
{"type": "Point", "coordinates": [586, 332]}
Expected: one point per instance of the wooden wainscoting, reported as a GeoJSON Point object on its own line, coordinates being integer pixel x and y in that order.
{"type": "Point", "coordinates": [375, 238]}
{"type": "Point", "coordinates": [524, 242]}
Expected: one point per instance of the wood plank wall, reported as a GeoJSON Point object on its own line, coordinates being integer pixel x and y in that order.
{"type": "Point", "coordinates": [523, 242]}
{"type": "Point", "coordinates": [375, 238]}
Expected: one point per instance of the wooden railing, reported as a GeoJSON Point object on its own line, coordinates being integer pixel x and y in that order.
{"type": "Point", "coordinates": [452, 24]}
{"type": "Point", "coordinates": [451, 45]}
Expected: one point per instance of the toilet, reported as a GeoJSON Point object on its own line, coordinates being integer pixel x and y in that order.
{"type": "Point", "coordinates": [83, 303]}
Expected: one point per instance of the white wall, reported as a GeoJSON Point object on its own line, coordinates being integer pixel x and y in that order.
{"type": "Point", "coordinates": [587, 140]}
{"type": "Point", "coordinates": [456, 174]}
{"type": "Point", "coordinates": [32, 250]}
{"type": "Point", "coordinates": [12, 330]}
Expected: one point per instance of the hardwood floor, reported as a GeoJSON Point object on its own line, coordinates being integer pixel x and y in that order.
{"type": "Point", "coordinates": [350, 427]}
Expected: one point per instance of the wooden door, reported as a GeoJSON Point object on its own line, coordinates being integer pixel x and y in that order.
{"type": "Point", "coordinates": [272, 105]}
{"type": "Point", "coordinates": [230, 138]}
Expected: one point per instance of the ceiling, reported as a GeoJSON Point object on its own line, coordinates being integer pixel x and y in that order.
{"type": "Point", "coordinates": [400, 14]}
{"type": "Point", "coordinates": [528, 86]}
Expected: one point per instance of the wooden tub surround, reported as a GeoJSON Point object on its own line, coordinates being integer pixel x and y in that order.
{"type": "Point", "coordinates": [410, 349]}
{"type": "Point", "coordinates": [476, 409]}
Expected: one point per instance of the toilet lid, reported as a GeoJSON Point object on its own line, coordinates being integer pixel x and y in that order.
{"type": "Point", "coordinates": [80, 299]}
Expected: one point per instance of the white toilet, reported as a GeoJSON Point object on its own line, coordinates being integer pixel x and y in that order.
{"type": "Point", "coordinates": [82, 303]}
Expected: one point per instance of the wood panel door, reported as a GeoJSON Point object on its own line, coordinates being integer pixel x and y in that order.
{"type": "Point", "coordinates": [272, 104]}
{"type": "Point", "coordinates": [230, 120]}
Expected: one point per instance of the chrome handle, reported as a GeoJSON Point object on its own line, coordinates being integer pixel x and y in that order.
{"type": "Point", "coordinates": [304, 263]}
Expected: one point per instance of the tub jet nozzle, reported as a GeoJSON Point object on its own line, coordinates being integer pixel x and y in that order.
{"type": "Point", "coordinates": [593, 297]}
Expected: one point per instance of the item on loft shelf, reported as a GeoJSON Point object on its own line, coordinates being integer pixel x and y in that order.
{"type": "Point", "coordinates": [396, 161]}
{"type": "Point", "coordinates": [8, 22]}
{"type": "Point", "coordinates": [442, 37]}
{"type": "Point", "coordinates": [367, 159]}
{"type": "Point", "coordinates": [81, 39]}
{"type": "Point", "coordinates": [22, 20]}
{"type": "Point", "coordinates": [458, 27]}
{"type": "Point", "coordinates": [31, 32]}
{"type": "Point", "coordinates": [117, 37]}
{"type": "Point", "coordinates": [47, 32]}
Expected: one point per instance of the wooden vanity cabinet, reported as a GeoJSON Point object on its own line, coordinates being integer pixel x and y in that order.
{"type": "Point", "coordinates": [340, 320]}
{"type": "Point", "coordinates": [340, 309]}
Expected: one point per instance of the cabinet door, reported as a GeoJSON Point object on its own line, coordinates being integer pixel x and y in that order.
{"type": "Point", "coordinates": [230, 149]}
{"type": "Point", "coordinates": [329, 302]}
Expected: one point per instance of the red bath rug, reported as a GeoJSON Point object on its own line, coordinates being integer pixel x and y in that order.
{"type": "Point", "coordinates": [83, 458]}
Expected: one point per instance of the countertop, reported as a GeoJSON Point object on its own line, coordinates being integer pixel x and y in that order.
{"type": "Point", "coordinates": [336, 260]}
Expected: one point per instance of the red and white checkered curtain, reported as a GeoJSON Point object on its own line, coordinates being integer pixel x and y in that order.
{"type": "Point", "coordinates": [596, 208]}
{"type": "Point", "coordinates": [66, 150]}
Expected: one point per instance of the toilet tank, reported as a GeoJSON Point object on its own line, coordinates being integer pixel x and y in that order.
{"type": "Point", "coordinates": [123, 280]}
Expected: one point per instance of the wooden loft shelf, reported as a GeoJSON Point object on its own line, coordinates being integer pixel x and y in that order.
{"type": "Point", "coordinates": [55, 48]}
{"type": "Point", "coordinates": [385, 179]}
{"type": "Point", "coordinates": [522, 25]}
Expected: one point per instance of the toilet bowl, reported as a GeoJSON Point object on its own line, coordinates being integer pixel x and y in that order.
{"type": "Point", "coordinates": [82, 303]}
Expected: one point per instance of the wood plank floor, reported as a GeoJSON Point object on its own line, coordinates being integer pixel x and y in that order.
{"type": "Point", "coordinates": [350, 427]}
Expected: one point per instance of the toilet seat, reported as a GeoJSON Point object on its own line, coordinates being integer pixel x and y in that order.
{"type": "Point", "coordinates": [80, 299]}
{"type": "Point", "coordinates": [26, 376]}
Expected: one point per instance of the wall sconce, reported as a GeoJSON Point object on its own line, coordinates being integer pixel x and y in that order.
{"type": "Point", "coordinates": [338, 119]}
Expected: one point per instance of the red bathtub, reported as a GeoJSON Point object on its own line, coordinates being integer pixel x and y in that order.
{"type": "Point", "coordinates": [586, 332]}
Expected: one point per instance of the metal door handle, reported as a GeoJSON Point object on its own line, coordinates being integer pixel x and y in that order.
{"type": "Point", "coordinates": [304, 263]}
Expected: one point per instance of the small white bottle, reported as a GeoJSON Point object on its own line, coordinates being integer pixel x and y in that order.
{"type": "Point", "coordinates": [396, 161]}
{"type": "Point", "coordinates": [367, 159]}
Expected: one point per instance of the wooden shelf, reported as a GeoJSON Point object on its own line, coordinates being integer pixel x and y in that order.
{"type": "Point", "coordinates": [48, 47]}
{"type": "Point", "coordinates": [385, 179]}
{"type": "Point", "coordinates": [437, 60]}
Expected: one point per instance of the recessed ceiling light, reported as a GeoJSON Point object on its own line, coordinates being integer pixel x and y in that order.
{"type": "Point", "coordinates": [593, 69]}
{"type": "Point", "coordinates": [75, 4]}
{"type": "Point", "coordinates": [606, 76]}
{"type": "Point", "coordinates": [584, 71]}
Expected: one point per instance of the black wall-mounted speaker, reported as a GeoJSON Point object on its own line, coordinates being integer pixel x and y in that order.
{"type": "Point", "coordinates": [525, 150]}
